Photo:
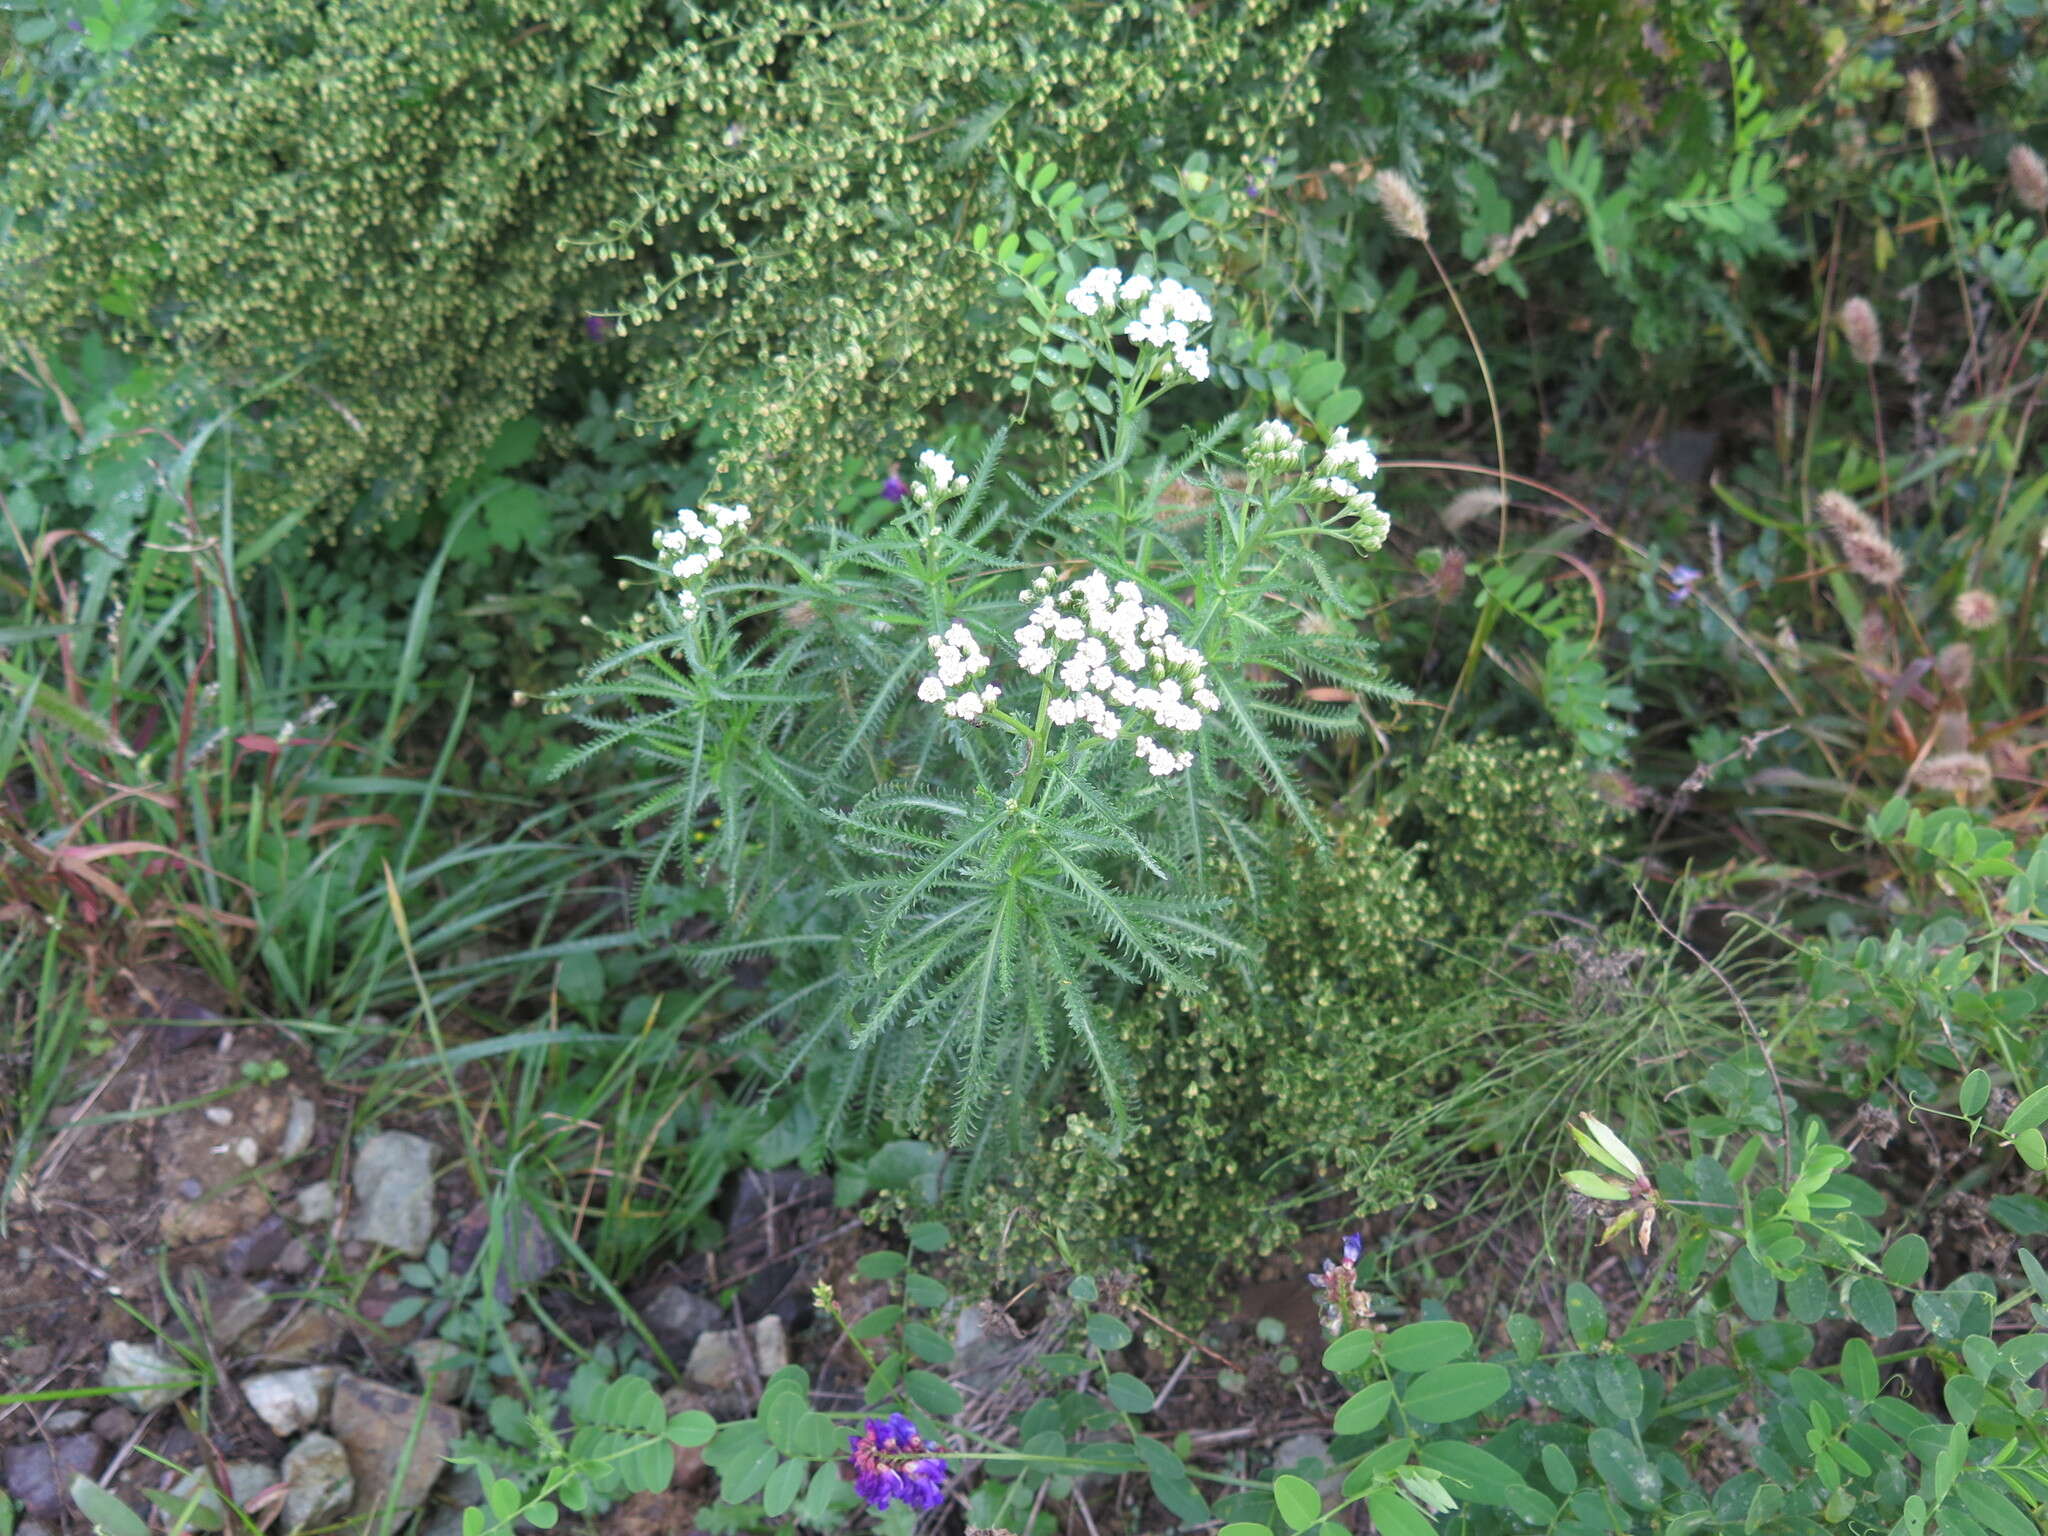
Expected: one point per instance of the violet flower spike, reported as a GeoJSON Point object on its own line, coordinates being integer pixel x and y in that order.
{"type": "Point", "coordinates": [893, 488]}
{"type": "Point", "coordinates": [1683, 579]}
{"type": "Point", "coordinates": [891, 1461]}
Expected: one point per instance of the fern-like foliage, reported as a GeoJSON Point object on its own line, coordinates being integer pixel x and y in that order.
{"type": "Point", "coordinates": [950, 901]}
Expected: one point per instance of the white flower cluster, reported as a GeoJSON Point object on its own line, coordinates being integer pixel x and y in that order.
{"type": "Point", "coordinates": [1342, 465]}
{"type": "Point", "coordinates": [694, 545]}
{"type": "Point", "coordinates": [1274, 447]}
{"type": "Point", "coordinates": [959, 657]}
{"type": "Point", "coordinates": [1088, 630]}
{"type": "Point", "coordinates": [940, 481]}
{"type": "Point", "coordinates": [1171, 311]}
{"type": "Point", "coordinates": [1356, 460]}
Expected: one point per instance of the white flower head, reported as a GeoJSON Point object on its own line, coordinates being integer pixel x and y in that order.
{"type": "Point", "coordinates": [1352, 461]}
{"type": "Point", "coordinates": [691, 546]}
{"type": "Point", "coordinates": [1115, 662]}
{"type": "Point", "coordinates": [1097, 291]}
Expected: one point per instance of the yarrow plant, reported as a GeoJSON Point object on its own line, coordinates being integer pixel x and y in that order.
{"type": "Point", "coordinates": [963, 814]}
{"type": "Point", "coordinates": [692, 546]}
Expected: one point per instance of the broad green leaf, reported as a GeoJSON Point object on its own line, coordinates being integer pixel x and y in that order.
{"type": "Point", "coordinates": [1754, 1287]}
{"type": "Point", "coordinates": [107, 1513]}
{"type": "Point", "coordinates": [1106, 1332]}
{"type": "Point", "coordinates": [1870, 1303]}
{"type": "Point", "coordinates": [1473, 1476]}
{"type": "Point", "coordinates": [784, 1484]}
{"type": "Point", "coordinates": [1452, 1392]}
{"type": "Point", "coordinates": [1632, 1476]}
{"type": "Point", "coordinates": [1394, 1514]}
{"type": "Point", "coordinates": [1906, 1260]}
{"type": "Point", "coordinates": [1419, 1346]}
{"type": "Point", "coordinates": [1558, 1468]}
{"type": "Point", "coordinates": [1620, 1386]}
{"type": "Point", "coordinates": [1364, 1408]}
{"type": "Point", "coordinates": [1975, 1093]}
{"type": "Point", "coordinates": [1297, 1500]}
{"type": "Point", "coordinates": [2030, 1111]}
{"type": "Point", "coordinates": [1585, 1313]}
{"type": "Point", "coordinates": [1352, 1350]}
{"type": "Point", "coordinates": [1129, 1394]}
{"type": "Point", "coordinates": [882, 1265]}
{"type": "Point", "coordinates": [1859, 1369]}
{"type": "Point", "coordinates": [934, 1394]}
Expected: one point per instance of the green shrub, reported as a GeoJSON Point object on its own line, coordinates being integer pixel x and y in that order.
{"type": "Point", "coordinates": [1371, 990]}
{"type": "Point", "coordinates": [389, 220]}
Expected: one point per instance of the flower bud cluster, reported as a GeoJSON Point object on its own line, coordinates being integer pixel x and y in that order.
{"type": "Point", "coordinates": [958, 657]}
{"type": "Point", "coordinates": [1112, 653]}
{"type": "Point", "coordinates": [1343, 464]}
{"type": "Point", "coordinates": [1170, 311]}
{"type": "Point", "coordinates": [694, 544]}
{"type": "Point", "coordinates": [1274, 448]}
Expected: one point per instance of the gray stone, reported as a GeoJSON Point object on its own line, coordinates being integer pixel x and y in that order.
{"type": "Point", "coordinates": [314, 1205]}
{"type": "Point", "coordinates": [228, 1307]}
{"type": "Point", "coordinates": [298, 1129]}
{"type": "Point", "coordinates": [319, 1484]}
{"type": "Point", "coordinates": [289, 1401]}
{"type": "Point", "coordinates": [246, 1479]}
{"type": "Point", "coordinates": [678, 1314]}
{"type": "Point", "coordinates": [65, 1421]}
{"type": "Point", "coordinates": [394, 1189]}
{"type": "Point", "coordinates": [33, 1528]}
{"type": "Point", "coordinates": [716, 1362]}
{"type": "Point", "coordinates": [113, 1425]}
{"type": "Point", "coordinates": [37, 1473]}
{"type": "Point", "coordinates": [140, 1370]}
{"type": "Point", "coordinates": [374, 1424]}
{"type": "Point", "coordinates": [433, 1360]}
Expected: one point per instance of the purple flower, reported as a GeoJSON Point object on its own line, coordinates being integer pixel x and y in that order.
{"type": "Point", "coordinates": [1683, 579]}
{"type": "Point", "coordinates": [1343, 1304]}
{"type": "Point", "coordinates": [893, 488]}
{"type": "Point", "coordinates": [891, 1461]}
{"type": "Point", "coordinates": [597, 327]}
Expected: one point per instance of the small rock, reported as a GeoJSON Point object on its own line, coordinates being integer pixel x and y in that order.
{"type": "Point", "coordinates": [373, 1423]}
{"type": "Point", "coordinates": [37, 1473]}
{"type": "Point", "coordinates": [314, 1205]}
{"type": "Point", "coordinates": [318, 1482]}
{"type": "Point", "coordinates": [140, 1371]}
{"type": "Point", "coordinates": [31, 1360]}
{"type": "Point", "coordinates": [112, 1425]}
{"type": "Point", "coordinates": [677, 1315]}
{"type": "Point", "coordinates": [246, 1479]}
{"type": "Point", "coordinates": [289, 1401]}
{"type": "Point", "coordinates": [228, 1307]}
{"type": "Point", "coordinates": [311, 1336]}
{"type": "Point", "coordinates": [715, 1361]}
{"type": "Point", "coordinates": [296, 1259]}
{"type": "Point", "coordinates": [298, 1129]}
{"type": "Point", "coordinates": [190, 1189]}
{"type": "Point", "coordinates": [394, 1189]}
{"type": "Point", "coordinates": [527, 1254]}
{"type": "Point", "coordinates": [247, 1153]}
{"type": "Point", "coordinates": [219, 1114]}
{"type": "Point", "coordinates": [433, 1360]}
{"type": "Point", "coordinates": [64, 1421]}
{"type": "Point", "coordinates": [257, 1249]}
